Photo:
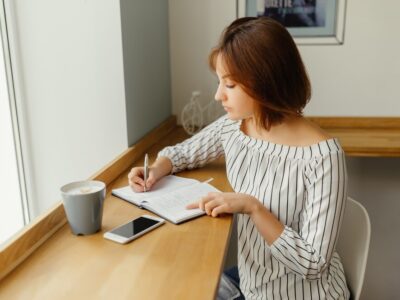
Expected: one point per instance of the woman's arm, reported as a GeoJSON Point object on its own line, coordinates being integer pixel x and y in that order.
{"type": "Point", "coordinates": [197, 150]}
{"type": "Point", "coordinates": [193, 152]}
{"type": "Point", "coordinates": [161, 167]}
{"type": "Point", "coordinates": [308, 251]}
{"type": "Point", "coordinates": [267, 224]}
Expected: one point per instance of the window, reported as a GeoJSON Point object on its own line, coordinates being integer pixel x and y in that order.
{"type": "Point", "coordinates": [12, 212]}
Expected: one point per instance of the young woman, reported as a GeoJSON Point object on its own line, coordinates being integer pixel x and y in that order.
{"type": "Point", "coordinates": [289, 176]}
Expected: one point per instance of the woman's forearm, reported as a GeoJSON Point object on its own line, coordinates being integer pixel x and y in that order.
{"type": "Point", "coordinates": [267, 224]}
{"type": "Point", "coordinates": [163, 165]}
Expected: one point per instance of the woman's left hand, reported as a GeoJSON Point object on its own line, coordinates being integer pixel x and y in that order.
{"type": "Point", "coordinates": [215, 204]}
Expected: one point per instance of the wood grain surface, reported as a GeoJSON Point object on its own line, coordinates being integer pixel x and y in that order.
{"type": "Point", "coordinates": [172, 262]}
{"type": "Point", "coordinates": [364, 137]}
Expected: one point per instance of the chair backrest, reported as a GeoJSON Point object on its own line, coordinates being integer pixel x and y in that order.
{"type": "Point", "coordinates": [353, 245]}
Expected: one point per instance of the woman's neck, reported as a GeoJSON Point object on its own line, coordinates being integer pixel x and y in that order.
{"type": "Point", "coordinates": [294, 131]}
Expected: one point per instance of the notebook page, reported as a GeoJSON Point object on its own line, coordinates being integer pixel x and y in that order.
{"type": "Point", "coordinates": [162, 187]}
{"type": "Point", "coordinates": [173, 205]}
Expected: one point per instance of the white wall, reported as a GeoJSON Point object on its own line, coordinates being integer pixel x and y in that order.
{"type": "Point", "coordinates": [70, 90]}
{"type": "Point", "coordinates": [195, 27]}
{"type": "Point", "coordinates": [359, 78]}
{"type": "Point", "coordinates": [146, 65]}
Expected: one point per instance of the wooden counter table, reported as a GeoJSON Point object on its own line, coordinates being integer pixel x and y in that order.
{"type": "Point", "coordinates": [46, 261]}
{"type": "Point", "coordinates": [364, 136]}
{"type": "Point", "coordinates": [172, 262]}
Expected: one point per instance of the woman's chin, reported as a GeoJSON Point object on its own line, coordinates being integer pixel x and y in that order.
{"type": "Point", "coordinates": [233, 116]}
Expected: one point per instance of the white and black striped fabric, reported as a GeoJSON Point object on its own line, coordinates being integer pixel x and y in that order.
{"type": "Point", "coordinates": [304, 187]}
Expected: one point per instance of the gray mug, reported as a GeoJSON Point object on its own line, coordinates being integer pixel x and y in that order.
{"type": "Point", "coordinates": [83, 205]}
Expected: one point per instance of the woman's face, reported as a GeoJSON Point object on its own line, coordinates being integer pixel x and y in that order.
{"type": "Point", "coordinates": [234, 99]}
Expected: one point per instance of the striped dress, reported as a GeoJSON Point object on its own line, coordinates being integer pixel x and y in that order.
{"type": "Point", "coordinates": [304, 187]}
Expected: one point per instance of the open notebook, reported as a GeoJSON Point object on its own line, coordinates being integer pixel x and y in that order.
{"type": "Point", "coordinates": [168, 197]}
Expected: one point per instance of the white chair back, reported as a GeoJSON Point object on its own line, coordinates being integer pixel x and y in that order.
{"type": "Point", "coordinates": [353, 245]}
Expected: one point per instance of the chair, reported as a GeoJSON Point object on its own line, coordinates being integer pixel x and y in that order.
{"type": "Point", "coordinates": [353, 245]}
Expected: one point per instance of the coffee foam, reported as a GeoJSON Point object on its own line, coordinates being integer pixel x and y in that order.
{"type": "Point", "coordinates": [84, 190]}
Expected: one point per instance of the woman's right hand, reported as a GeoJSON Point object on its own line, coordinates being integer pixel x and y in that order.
{"type": "Point", "coordinates": [159, 169]}
{"type": "Point", "coordinates": [136, 179]}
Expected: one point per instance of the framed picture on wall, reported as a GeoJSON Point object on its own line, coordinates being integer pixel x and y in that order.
{"type": "Point", "coordinates": [308, 21]}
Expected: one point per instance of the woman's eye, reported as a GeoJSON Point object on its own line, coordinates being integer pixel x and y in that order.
{"type": "Point", "coordinates": [230, 86]}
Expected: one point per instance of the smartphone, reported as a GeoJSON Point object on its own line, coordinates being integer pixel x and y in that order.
{"type": "Point", "coordinates": [133, 229]}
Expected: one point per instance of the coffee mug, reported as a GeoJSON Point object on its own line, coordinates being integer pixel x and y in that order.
{"type": "Point", "coordinates": [83, 205]}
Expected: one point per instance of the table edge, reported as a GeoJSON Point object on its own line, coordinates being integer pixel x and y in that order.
{"type": "Point", "coordinates": [14, 251]}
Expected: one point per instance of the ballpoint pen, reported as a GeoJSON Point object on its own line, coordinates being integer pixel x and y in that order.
{"type": "Point", "coordinates": [146, 170]}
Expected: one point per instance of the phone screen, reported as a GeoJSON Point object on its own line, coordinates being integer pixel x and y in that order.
{"type": "Point", "coordinates": [134, 227]}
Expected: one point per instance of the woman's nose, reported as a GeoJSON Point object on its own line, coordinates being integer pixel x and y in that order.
{"type": "Point", "coordinates": [220, 95]}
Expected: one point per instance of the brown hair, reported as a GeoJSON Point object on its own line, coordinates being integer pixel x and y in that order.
{"type": "Point", "coordinates": [261, 56]}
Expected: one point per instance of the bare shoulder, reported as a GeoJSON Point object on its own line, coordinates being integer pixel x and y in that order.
{"type": "Point", "coordinates": [294, 132]}
{"type": "Point", "coordinates": [313, 133]}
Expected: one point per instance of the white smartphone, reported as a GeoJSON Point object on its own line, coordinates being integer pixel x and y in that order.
{"type": "Point", "coordinates": [133, 229]}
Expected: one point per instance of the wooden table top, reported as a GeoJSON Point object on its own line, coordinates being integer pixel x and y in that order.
{"type": "Point", "coordinates": [362, 142]}
{"type": "Point", "coordinates": [172, 262]}
{"type": "Point", "coordinates": [364, 136]}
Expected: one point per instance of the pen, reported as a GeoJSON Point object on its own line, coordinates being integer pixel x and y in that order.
{"type": "Point", "coordinates": [208, 180]}
{"type": "Point", "coordinates": [146, 170]}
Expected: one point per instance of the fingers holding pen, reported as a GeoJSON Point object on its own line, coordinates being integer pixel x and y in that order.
{"type": "Point", "coordinates": [160, 168]}
{"type": "Point", "coordinates": [135, 179]}
{"type": "Point", "coordinates": [151, 179]}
